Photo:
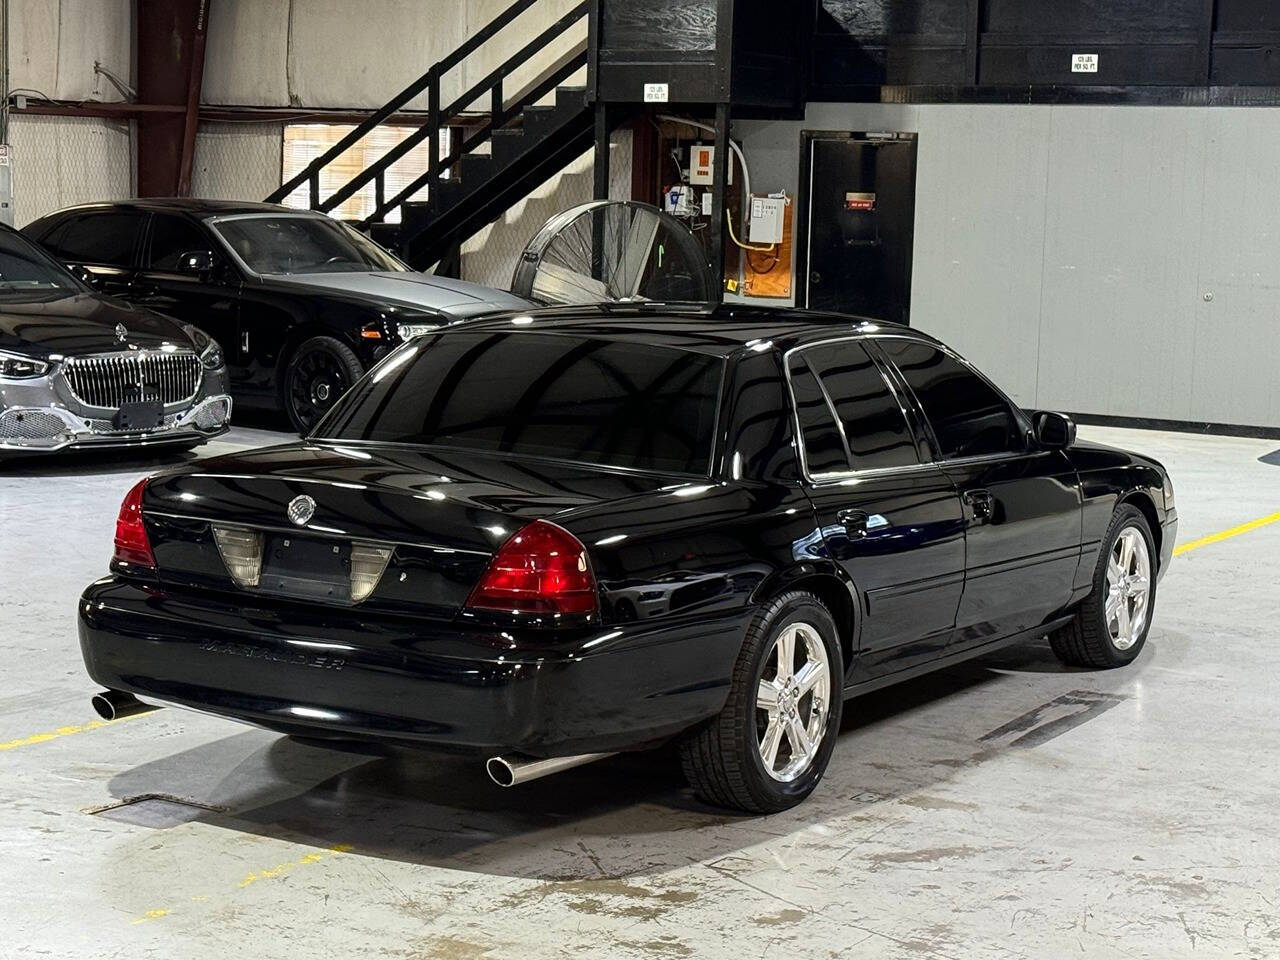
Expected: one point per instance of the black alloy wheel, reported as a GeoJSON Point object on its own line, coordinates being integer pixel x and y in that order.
{"type": "Point", "coordinates": [320, 371]}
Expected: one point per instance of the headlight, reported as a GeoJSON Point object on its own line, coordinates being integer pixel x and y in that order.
{"type": "Point", "coordinates": [14, 366]}
{"type": "Point", "coordinates": [206, 346]}
{"type": "Point", "coordinates": [407, 331]}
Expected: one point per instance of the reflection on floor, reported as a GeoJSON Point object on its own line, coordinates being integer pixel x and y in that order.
{"type": "Point", "coordinates": [1005, 808]}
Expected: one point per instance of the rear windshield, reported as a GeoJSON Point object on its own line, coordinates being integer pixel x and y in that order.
{"type": "Point", "coordinates": [541, 395]}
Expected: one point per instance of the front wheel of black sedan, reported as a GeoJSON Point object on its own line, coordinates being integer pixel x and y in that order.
{"type": "Point", "coordinates": [320, 371]}
{"type": "Point", "coordinates": [1111, 625]}
{"type": "Point", "coordinates": [769, 746]}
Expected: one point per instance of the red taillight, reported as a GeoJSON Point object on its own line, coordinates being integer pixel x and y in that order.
{"type": "Point", "coordinates": [132, 545]}
{"type": "Point", "coordinates": [543, 569]}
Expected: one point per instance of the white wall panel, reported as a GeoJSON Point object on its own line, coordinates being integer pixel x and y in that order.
{"type": "Point", "coordinates": [979, 236]}
{"type": "Point", "coordinates": [237, 161]}
{"type": "Point", "coordinates": [246, 53]}
{"type": "Point", "coordinates": [1236, 333]}
{"type": "Point", "coordinates": [344, 54]}
{"type": "Point", "coordinates": [1123, 200]}
{"type": "Point", "coordinates": [55, 43]}
{"type": "Point", "coordinates": [60, 161]}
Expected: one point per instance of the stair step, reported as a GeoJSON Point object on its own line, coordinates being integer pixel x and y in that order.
{"type": "Point", "coordinates": [537, 120]}
{"type": "Point", "coordinates": [575, 97]}
{"type": "Point", "coordinates": [508, 143]}
{"type": "Point", "coordinates": [475, 169]}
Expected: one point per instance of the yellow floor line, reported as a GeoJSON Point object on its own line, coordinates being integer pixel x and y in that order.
{"type": "Point", "coordinates": [62, 732]}
{"type": "Point", "coordinates": [1226, 534]}
{"type": "Point", "coordinates": [268, 874]}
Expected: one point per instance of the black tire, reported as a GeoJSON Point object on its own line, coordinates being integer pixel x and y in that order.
{"type": "Point", "coordinates": [722, 758]}
{"type": "Point", "coordinates": [1086, 641]}
{"type": "Point", "coordinates": [316, 374]}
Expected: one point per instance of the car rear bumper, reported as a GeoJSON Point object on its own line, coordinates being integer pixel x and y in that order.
{"type": "Point", "coordinates": [408, 680]}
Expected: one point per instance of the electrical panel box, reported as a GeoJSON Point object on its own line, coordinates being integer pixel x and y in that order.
{"type": "Point", "coordinates": [702, 165]}
{"type": "Point", "coordinates": [679, 201]}
{"type": "Point", "coordinates": [768, 215]}
{"type": "Point", "coordinates": [6, 184]}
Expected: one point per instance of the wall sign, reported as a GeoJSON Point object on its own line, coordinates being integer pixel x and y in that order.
{"type": "Point", "coordinates": [1084, 63]}
{"type": "Point", "coordinates": [656, 93]}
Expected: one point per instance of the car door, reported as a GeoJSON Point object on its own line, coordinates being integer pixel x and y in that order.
{"type": "Point", "coordinates": [1022, 505]}
{"type": "Point", "coordinates": [185, 275]}
{"type": "Point", "coordinates": [892, 522]}
{"type": "Point", "coordinates": [106, 243]}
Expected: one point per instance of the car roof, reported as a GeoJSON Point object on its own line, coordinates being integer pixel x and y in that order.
{"type": "Point", "coordinates": [201, 209]}
{"type": "Point", "coordinates": [721, 330]}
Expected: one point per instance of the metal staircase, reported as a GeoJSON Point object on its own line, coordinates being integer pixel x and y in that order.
{"type": "Point", "coordinates": [467, 189]}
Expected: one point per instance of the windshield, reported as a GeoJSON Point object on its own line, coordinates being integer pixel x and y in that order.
{"type": "Point", "coordinates": [28, 273]}
{"type": "Point", "coordinates": [297, 244]}
{"type": "Point", "coordinates": [557, 396]}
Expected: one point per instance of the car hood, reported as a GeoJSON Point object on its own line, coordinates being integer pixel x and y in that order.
{"type": "Point", "coordinates": [457, 298]}
{"type": "Point", "coordinates": [82, 323]}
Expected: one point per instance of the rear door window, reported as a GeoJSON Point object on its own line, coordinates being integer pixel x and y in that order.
{"type": "Point", "coordinates": [825, 451]}
{"type": "Point", "coordinates": [969, 417]}
{"type": "Point", "coordinates": [558, 396]}
{"type": "Point", "coordinates": [874, 425]}
{"type": "Point", "coordinates": [109, 238]}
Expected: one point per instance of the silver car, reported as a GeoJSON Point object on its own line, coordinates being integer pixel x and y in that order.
{"type": "Point", "coordinates": [79, 369]}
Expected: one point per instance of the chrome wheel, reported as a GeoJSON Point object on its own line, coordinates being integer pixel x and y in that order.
{"type": "Point", "coordinates": [792, 701]}
{"type": "Point", "coordinates": [1128, 588]}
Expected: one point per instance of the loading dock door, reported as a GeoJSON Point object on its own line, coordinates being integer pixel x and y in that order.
{"type": "Point", "coordinates": [861, 222]}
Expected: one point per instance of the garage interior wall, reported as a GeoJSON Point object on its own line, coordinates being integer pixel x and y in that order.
{"type": "Point", "coordinates": [58, 161]}
{"type": "Point", "coordinates": [1116, 260]}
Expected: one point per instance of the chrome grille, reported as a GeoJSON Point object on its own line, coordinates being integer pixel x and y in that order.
{"type": "Point", "coordinates": [125, 377]}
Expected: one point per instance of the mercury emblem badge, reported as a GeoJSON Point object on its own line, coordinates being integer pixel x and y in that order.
{"type": "Point", "coordinates": [301, 510]}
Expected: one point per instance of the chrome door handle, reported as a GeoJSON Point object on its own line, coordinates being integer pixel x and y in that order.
{"type": "Point", "coordinates": [982, 503]}
{"type": "Point", "coordinates": [854, 522]}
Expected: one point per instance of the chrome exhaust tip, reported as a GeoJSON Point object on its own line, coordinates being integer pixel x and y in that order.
{"type": "Point", "coordinates": [114, 704]}
{"type": "Point", "coordinates": [514, 770]}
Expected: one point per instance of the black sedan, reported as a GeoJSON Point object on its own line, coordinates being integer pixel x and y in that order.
{"type": "Point", "coordinates": [301, 304]}
{"type": "Point", "coordinates": [78, 369]}
{"type": "Point", "coordinates": [460, 555]}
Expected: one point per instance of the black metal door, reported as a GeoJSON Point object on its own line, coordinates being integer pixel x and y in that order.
{"type": "Point", "coordinates": [861, 223]}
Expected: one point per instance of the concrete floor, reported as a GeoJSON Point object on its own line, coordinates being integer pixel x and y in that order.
{"type": "Point", "coordinates": [1144, 826]}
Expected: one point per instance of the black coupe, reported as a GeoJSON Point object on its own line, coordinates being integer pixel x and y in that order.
{"type": "Point", "coordinates": [301, 304]}
{"type": "Point", "coordinates": [546, 537]}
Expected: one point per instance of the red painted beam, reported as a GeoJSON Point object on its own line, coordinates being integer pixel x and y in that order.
{"type": "Point", "coordinates": [171, 42]}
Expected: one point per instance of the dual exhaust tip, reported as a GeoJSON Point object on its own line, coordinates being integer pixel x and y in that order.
{"type": "Point", "coordinates": [115, 704]}
{"type": "Point", "coordinates": [507, 771]}
{"type": "Point", "coordinates": [516, 769]}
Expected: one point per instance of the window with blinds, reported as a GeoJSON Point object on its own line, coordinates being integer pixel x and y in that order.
{"type": "Point", "coordinates": [303, 142]}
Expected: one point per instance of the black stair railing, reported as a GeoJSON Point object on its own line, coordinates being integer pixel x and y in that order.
{"type": "Point", "coordinates": [439, 118]}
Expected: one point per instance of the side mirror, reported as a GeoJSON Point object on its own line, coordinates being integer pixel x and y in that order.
{"type": "Point", "coordinates": [84, 275]}
{"type": "Point", "coordinates": [1054, 431]}
{"type": "Point", "coordinates": [198, 262]}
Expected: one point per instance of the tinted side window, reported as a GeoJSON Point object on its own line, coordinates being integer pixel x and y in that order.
{"type": "Point", "coordinates": [874, 425]}
{"type": "Point", "coordinates": [107, 238]}
{"type": "Point", "coordinates": [824, 449]}
{"type": "Point", "coordinates": [969, 418]}
{"type": "Point", "coordinates": [171, 237]}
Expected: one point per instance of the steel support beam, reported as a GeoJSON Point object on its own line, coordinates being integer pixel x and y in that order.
{"type": "Point", "coordinates": [171, 43]}
{"type": "Point", "coordinates": [718, 235]}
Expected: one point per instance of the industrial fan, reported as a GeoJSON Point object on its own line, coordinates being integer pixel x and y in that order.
{"type": "Point", "coordinates": [613, 251]}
